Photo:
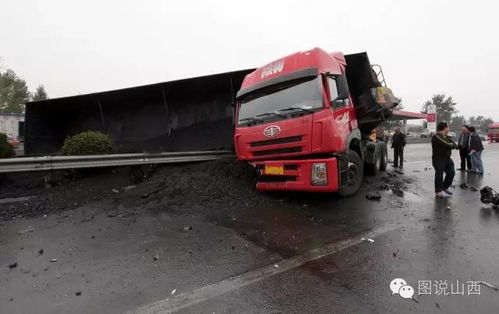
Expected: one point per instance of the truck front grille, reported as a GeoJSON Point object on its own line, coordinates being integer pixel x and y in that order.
{"type": "Point", "coordinates": [277, 141]}
{"type": "Point", "coordinates": [277, 151]}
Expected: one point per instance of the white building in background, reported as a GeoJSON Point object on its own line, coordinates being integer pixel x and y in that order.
{"type": "Point", "coordinates": [9, 123]}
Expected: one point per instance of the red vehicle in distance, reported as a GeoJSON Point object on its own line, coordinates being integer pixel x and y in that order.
{"type": "Point", "coordinates": [303, 121]}
{"type": "Point", "coordinates": [493, 132]}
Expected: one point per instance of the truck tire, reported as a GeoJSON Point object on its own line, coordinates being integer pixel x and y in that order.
{"type": "Point", "coordinates": [355, 174]}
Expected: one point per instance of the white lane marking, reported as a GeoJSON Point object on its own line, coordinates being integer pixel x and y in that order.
{"type": "Point", "coordinates": [187, 299]}
{"type": "Point", "coordinates": [15, 199]}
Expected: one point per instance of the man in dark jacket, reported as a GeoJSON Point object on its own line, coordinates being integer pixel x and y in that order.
{"type": "Point", "coordinates": [442, 146]}
{"type": "Point", "coordinates": [476, 148]}
{"type": "Point", "coordinates": [464, 151]}
{"type": "Point", "coordinates": [398, 144]}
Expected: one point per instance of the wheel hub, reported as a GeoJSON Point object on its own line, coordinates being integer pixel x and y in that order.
{"type": "Point", "coordinates": [353, 170]}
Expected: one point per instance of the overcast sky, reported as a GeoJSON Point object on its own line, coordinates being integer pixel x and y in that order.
{"type": "Point", "coordinates": [425, 47]}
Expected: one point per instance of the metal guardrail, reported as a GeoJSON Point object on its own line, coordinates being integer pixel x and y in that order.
{"type": "Point", "coordinates": [45, 163]}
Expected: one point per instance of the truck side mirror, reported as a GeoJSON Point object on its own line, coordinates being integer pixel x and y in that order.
{"type": "Point", "coordinates": [342, 85]}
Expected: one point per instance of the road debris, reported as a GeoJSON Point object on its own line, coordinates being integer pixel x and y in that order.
{"type": "Point", "coordinates": [367, 239]}
{"type": "Point", "coordinates": [187, 228]}
{"type": "Point", "coordinates": [449, 208]}
{"type": "Point", "coordinates": [129, 187]}
{"type": "Point", "coordinates": [78, 293]}
{"type": "Point", "coordinates": [373, 196]}
{"type": "Point", "coordinates": [155, 257]}
{"type": "Point", "coordinates": [464, 186]}
{"type": "Point", "coordinates": [29, 229]}
{"type": "Point", "coordinates": [53, 260]}
{"type": "Point", "coordinates": [40, 252]}
{"type": "Point", "coordinates": [173, 291]}
{"type": "Point", "coordinates": [13, 265]}
{"type": "Point", "coordinates": [396, 190]}
{"type": "Point", "coordinates": [472, 188]}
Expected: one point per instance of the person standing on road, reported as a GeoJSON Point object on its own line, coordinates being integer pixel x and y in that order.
{"type": "Point", "coordinates": [442, 146]}
{"type": "Point", "coordinates": [398, 144]}
{"type": "Point", "coordinates": [464, 151]}
{"type": "Point", "coordinates": [476, 148]}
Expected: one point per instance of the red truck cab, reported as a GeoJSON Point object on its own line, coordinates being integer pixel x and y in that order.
{"type": "Point", "coordinates": [296, 122]}
{"type": "Point", "coordinates": [493, 132]}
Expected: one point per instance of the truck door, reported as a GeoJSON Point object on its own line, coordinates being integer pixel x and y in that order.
{"type": "Point", "coordinates": [341, 107]}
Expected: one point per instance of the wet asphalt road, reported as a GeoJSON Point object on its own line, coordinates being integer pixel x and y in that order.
{"type": "Point", "coordinates": [211, 266]}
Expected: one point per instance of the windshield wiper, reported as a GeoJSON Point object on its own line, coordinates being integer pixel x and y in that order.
{"type": "Point", "coordinates": [250, 120]}
{"type": "Point", "coordinates": [274, 113]}
{"type": "Point", "coordinates": [298, 108]}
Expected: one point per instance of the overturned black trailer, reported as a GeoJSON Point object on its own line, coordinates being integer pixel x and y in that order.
{"type": "Point", "coordinates": [182, 115]}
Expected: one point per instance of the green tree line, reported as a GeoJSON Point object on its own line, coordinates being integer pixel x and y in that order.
{"type": "Point", "coordinates": [14, 92]}
{"type": "Point", "coordinates": [446, 111]}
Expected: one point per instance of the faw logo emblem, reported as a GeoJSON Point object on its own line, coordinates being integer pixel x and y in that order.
{"type": "Point", "coordinates": [273, 68]}
{"type": "Point", "coordinates": [272, 131]}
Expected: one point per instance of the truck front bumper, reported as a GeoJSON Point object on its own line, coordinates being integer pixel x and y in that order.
{"type": "Point", "coordinates": [295, 175]}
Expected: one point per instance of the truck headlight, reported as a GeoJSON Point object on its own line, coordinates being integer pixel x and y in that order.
{"type": "Point", "coordinates": [319, 173]}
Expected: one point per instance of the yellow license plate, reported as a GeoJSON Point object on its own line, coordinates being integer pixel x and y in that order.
{"type": "Point", "coordinates": [274, 170]}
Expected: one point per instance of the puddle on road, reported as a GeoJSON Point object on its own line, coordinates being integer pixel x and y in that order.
{"type": "Point", "coordinates": [412, 197]}
{"type": "Point", "coordinates": [408, 196]}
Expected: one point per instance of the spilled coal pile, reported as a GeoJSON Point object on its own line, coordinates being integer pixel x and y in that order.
{"type": "Point", "coordinates": [222, 186]}
{"type": "Point", "coordinates": [200, 186]}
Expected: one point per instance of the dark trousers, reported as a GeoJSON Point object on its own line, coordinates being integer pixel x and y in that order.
{"type": "Point", "coordinates": [465, 158]}
{"type": "Point", "coordinates": [443, 166]}
{"type": "Point", "coordinates": [398, 153]}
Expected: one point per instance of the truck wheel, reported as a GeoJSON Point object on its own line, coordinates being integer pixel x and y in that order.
{"type": "Point", "coordinates": [355, 174]}
{"type": "Point", "coordinates": [372, 169]}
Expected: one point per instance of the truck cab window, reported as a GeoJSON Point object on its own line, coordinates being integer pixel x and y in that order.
{"type": "Point", "coordinates": [333, 94]}
{"type": "Point", "coordinates": [333, 89]}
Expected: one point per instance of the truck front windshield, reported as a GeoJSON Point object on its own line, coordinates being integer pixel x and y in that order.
{"type": "Point", "coordinates": [281, 101]}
